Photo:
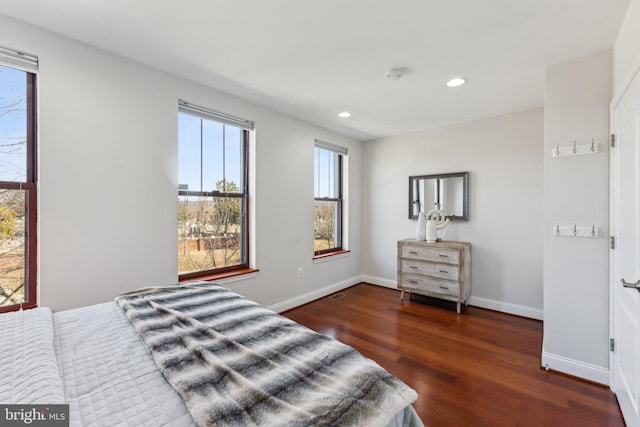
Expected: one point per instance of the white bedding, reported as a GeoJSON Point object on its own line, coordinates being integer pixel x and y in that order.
{"type": "Point", "coordinates": [109, 376]}
{"type": "Point", "coordinates": [28, 366]}
{"type": "Point", "coordinates": [98, 365]}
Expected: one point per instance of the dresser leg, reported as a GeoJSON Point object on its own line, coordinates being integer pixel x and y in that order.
{"type": "Point", "coordinates": [458, 307]}
{"type": "Point", "coordinates": [402, 294]}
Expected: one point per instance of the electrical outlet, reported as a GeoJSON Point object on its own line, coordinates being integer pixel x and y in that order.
{"type": "Point", "coordinates": [300, 272]}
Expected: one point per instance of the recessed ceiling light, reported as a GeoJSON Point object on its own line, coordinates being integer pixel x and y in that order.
{"type": "Point", "coordinates": [344, 114]}
{"type": "Point", "coordinates": [455, 82]}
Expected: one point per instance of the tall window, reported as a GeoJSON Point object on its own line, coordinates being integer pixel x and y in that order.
{"type": "Point", "coordinates": [328, 207]}
{"type": "Point", "coordinates": [213, 192]}
{"type": "Point", "coordinates": [17, 181]}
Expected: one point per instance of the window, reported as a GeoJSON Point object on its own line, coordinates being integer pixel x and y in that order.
{"type": "Point", "coordinates": [18, 196]}
{"type": "Point", "coordinates": [213, 192]}
{"type": "Point", "coordinates": [328, 206]}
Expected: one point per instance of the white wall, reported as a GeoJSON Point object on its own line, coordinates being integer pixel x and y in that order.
{"type": "Point", "coordinates": [504, 158]}
{"type": "Point", "coordinates": [108, 180]}
{"type": "Point", "coordinates": [576, 190]}
{"type": "Point", "coordinates": [626, 52]}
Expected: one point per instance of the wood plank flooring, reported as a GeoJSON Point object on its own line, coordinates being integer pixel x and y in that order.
{"type": "Point", "coordinates": [480, 368]}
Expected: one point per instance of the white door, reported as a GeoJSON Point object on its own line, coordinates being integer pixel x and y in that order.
{"type": "Point", "coordinates": [625, 304]}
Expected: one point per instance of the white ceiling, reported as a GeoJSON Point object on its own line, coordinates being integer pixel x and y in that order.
{"type": "Point", "coordinates": [315, 58]}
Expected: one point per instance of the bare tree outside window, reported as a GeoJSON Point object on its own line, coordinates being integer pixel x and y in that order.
{"type": "Point", "coordinates": [13, 125]}
{"type": "Point", "coordinates": [210, 231]}
{"type": "Point", "coordinates": [17, 187]}
{"type": "Point", "coordinates": [325, 225]}
{"type": "Point", "coordinates": [12, 247]}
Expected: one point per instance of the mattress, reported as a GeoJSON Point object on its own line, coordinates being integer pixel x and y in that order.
{"type": "Point", "coordinates": [92, 359]}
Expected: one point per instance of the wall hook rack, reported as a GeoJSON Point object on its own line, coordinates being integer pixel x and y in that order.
{"type": "Point", "coordinates": [575, 149]}
{"type": "Point", "coordinates": [576, 230]}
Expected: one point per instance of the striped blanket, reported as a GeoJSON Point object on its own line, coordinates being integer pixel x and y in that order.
{"type": "Point", "coordinates": [235, 363]}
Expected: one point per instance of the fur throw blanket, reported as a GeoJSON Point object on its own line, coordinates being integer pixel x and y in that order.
{"type": "Point", "coordinates": [235, 363]}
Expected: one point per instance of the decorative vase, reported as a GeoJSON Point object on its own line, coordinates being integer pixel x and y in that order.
{"type": "Point", "coordinates": [421, 228]}
{"type": "Point", "coordinates": [432, 231]}
{"type": "Point", "coordinates": [436, 220]}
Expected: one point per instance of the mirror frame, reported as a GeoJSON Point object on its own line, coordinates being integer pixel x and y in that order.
{"type": "Point", "coordinates": [465, 193]}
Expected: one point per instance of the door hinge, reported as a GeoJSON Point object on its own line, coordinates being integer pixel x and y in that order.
{"type": "Point", "coordinates": [612, 344]}
{"type": "Point", "coordinates": [612, 242]}
{"type": "Point", "coordinates": [613, 140]}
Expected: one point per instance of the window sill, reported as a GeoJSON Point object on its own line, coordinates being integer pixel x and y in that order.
{"type": "Point", "coordinates": [229, 276]}
{"type": "Point", "coordinates": [17, 307]}
{"type": "Point", "coordinates": [331, 255]}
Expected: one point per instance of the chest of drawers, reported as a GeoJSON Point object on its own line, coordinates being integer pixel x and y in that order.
{"type": "Point", "coordinates": [440, 270]}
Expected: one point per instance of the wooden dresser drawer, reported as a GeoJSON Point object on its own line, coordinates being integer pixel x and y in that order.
{"type": "Point", "coordinates": [431, 286]}
{"type": "Point", "coordinates": [430, 254]}
{"type": "Point", "coordinates": [442, 271]}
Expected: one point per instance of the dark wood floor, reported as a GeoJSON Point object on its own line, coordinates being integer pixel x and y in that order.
{"type": "Point", "coordinates": [480, 368]}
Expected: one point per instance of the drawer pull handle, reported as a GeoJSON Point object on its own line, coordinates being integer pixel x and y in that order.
{"type": "Point", "coordinates": [413, 267]}
{"type": "Point", "coordinates": [413, 282]}
{"type": "Point", "coordinates": [443, 271]}
{"type": "Point", "coordinates": [413, 252]}
{"type": "Point", "coordinates": [443, 256]}
{"type": "Point", "coordinates": [444, 287]}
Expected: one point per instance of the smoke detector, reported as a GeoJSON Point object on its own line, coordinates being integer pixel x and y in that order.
{"type": "Point", "coordinates": [396, 73]}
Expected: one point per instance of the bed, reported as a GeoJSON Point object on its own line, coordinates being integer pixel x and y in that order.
{"type": "Point", "coordinates": [150, 357]}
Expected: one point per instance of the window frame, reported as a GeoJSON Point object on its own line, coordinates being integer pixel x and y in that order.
{"type": "Point", "coordinates": [339, 233]}
{"type": "Point", "coordinates": [244, 197]}
{"type": "Point", "coordinates": [30, 185]}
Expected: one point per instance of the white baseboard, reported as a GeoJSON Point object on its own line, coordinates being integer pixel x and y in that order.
{"type": "Point", "coordinates": [504, 307]}
{"type": "Point", "coordinates": [313, 295]}
{"type": "Point", "coordinates": [379, 281]}
{"type": "Point", "coordinates": [576, 368]}
{"type": "Point", "coordinates": [501, 306]}
{"type": "Point", "coordinates": [507, 307]}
